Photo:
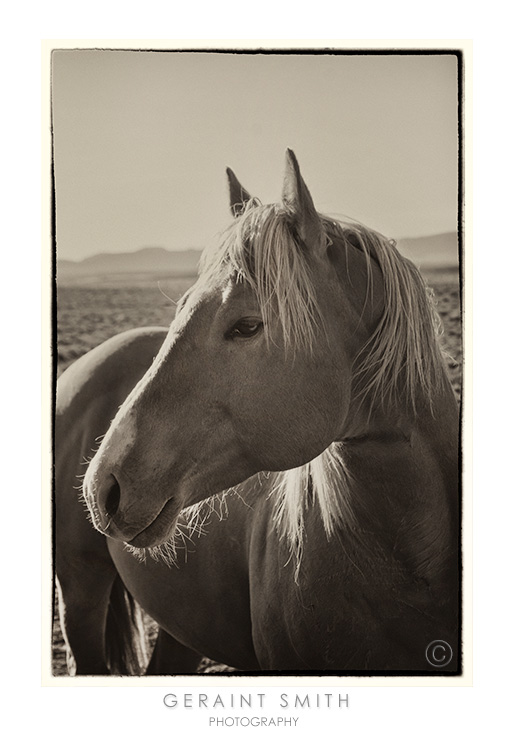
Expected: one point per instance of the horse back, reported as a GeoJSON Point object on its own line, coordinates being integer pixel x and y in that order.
{"type": "Point", "coordinates": [89, 393]}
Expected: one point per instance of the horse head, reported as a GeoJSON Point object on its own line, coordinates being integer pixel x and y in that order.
{"type": "Point", "coordinates": [258, 370]}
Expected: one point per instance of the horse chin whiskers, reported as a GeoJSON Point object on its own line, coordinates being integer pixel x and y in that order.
{"type": "Point", "coordinates": [165, 553]}
{"type": "Point", "coordinates": [192, 524]}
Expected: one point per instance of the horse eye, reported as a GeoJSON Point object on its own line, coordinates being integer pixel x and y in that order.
{"type": "Point", "coordinates": [245, 328]}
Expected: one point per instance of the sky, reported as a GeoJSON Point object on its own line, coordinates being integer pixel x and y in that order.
{"type": "Point", "coordinates": [142, 140]}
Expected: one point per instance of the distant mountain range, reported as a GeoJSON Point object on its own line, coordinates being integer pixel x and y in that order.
{"type": "Point", "coordinates": [430, 252]}
{"type": "Point", "coordinates": [433, 251]}
{"type": "Point", "coordinates": [145, 261]}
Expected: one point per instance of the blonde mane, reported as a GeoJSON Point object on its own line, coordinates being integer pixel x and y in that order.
{"type": "Point", "coordinates": [400, 364]}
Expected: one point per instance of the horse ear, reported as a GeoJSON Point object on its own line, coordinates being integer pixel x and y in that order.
{"type": "Point", "coordinates": [238, 194]}
{"type": "Point", "coordinates": [298, 202]}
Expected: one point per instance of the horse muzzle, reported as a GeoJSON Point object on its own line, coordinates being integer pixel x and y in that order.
{"type": "Point", "coordinates": [140, 528]}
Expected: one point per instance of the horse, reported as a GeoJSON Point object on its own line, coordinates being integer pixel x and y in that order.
{"type": "Point", "coordinates": [275, 478]}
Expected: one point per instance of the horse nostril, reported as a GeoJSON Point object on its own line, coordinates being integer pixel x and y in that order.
{"type": "Point", "coordinates": [113, 497]}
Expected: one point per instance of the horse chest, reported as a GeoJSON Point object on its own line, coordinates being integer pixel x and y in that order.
{"type": "Point", "coordinates": [336, 611]}
{"type": "Point", "coordinates": [296, 620]}
{"type": "Point", "coordinates": [334, 625]}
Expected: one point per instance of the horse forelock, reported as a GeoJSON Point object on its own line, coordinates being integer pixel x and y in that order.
{"type": "Point", "coordinates": [262, 249]}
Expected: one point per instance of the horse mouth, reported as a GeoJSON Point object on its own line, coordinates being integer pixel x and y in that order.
{"type": "Point", "coordinates": [159, 529]}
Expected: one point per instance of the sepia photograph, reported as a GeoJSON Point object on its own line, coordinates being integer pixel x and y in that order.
{"type": "Point", "coordinates": [258, 275]}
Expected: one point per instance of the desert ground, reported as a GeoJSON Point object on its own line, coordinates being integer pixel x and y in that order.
{"type": "Point", "coordinates": [88, 314]}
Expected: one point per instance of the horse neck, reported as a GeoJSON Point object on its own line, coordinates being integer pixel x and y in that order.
{"type": "Point", "coordinates": [433, 426]}
{"type": "Point", "coordinates": [405, 475]}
